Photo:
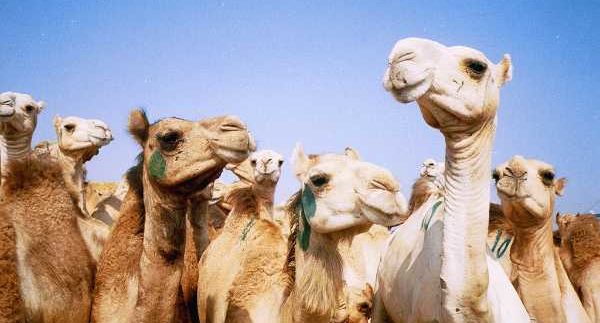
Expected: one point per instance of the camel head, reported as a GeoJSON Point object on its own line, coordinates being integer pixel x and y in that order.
{"type": "Point", "coordinates": [82, 138]}
{"type": "Point", "coordinates": [262, 167]}
{"type": "Point", "coordinates": [185, 156]}
{"type": "Point", "coordinates": [454, 86]}
{"type": "Point", "coordinates": [266, 165]}
{"type": "Point", "coordinates": [564, 222]}
{"type": "Point", "coordinates": [18, 113]}
{"type": "Point", "coordinates": [341, 191]}
{"type": "Point", "coordinates": [527, 189]}
{"type": "Point", "coordinates": [431, 168]}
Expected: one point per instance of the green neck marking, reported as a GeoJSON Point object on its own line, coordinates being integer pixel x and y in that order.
{"type": "Point", "coordinates": [157, 166]}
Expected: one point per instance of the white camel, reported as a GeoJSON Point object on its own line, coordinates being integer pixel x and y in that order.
{"type": "Point", "coordinates": [437, 267]}
{"type": "Point", "coordinates": [18, 119]}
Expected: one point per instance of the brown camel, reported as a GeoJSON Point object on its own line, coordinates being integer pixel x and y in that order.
{"type": "Point", "coordinates": [47, 272]}
{"type": "Point", "coordinates": [79, 140]}
{"type": "Point", "coordinates": [140, 271]}
{"type": "Point", "coordinates": [579, 252]}
{"type": "Point", "coordinates": [527, 189]}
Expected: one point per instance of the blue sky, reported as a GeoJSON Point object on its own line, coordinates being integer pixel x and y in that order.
{"type": "Point", "coordinates": [310, 72]}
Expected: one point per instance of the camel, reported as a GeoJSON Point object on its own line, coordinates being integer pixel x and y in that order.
{"type": "Point", "coordinates": [47, 273]}
{"type": "Point", "coordinates": [437, 266]}
{"type": "Point", "coordinates": [360, 257]}
{"type": "Point", "coordinates": [341, 197]}
{"type": "Point", "coordinates": [140, 270]}
{"type": "Point", "coordinates": [103, 199]}
{"type": "Point", "coordinates": [579, 252]}
{"type": "Point", "coordinates": [248, 230]}
{"type": "Point", "coordinates": [18, 119]}
{"type": "Point", "coordinates": [79, 140]}
{"type": "Point", "coordinates": [527, 189]}
{"type": "Point", "coordinates": [430, 181]}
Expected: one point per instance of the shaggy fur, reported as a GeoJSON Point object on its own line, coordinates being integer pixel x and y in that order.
{"type": "Point", "coordinates": [314, 278]}
{"type": "Point", "coordinates": [55, 270]}
{"type": "Point", "coordinates": [582, 240]}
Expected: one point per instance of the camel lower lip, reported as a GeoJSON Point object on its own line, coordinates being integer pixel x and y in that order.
{"type": "Point", "coordinates": [199, 182]}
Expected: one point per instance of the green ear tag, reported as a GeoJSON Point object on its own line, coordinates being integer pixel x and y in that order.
{"type": "Point", "coordinates": [308, 209]}
{"type": "Point", "coordinates": [157, 165]}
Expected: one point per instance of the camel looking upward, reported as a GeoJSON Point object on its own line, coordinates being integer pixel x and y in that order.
{"type": "Point", "coordinates": [527, 189]}
{"type": "Point", "coordinates": [436, 267]}
{"type": "Point", "coordinates": [140, 271]}
{"type": "Point", "coordinates": [18, 119]}
{"type": "Point", "coordinates": [248, 230]}
{"type": "Point", "coordinates": [78, 141]}
{"type": "Point", "coordinates": [579, 252]}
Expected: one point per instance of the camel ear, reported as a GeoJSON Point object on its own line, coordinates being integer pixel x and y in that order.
{"type": "Point", "coordinates": [57, 121]}
{"type": "Point", "coordinates": [138, 125]}
{"type": "Point", "coordinates": [505, 70]}
{"type": "Point", "coordinates": [300, 162]}
{"type": "Point", "coordinates": [559, 186]}
{"type": "Point", "coordinates": [41, 105]}
{"type": "Point", "coordinates": [352, 153]}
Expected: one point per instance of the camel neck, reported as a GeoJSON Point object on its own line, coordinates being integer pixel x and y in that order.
{"type": "Point", "coordinates": [319, 280]}
{"type": "Point", "coordinates": [264, 198]}
{"type": "Point", "coordinates": [13, 147]}
{"type": "Point", "coordinates": [74, 176]}
{"type": "Point", "coordinates": [466, 211]}
{"type": "Point", "coordinates": [535, 272]}
{"type": "Point", "coordinates": [161, 261]}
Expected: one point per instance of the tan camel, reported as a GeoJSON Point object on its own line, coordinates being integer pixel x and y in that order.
{"type": "Point", "coordinates": [140, 271]}
{"type": "Point", "coordinates": [79, 140]}
{"type": "Point", "coordinates": [248, 231]}
{"type": "Point", "coordinates": [579, 252]}
{"type": "Point", "coordinates": [527, 189]}
{"type": "Point", "coordinates": [437, 266]}
{"type": "Point", "coordinates": [18, 119]}
{"type": "Point", "coordinates": [430, 181]}
{"type": "Point", "coordinates": [341, 197]}
{"type": "Point", "coordinates": [47, 273]}
{"type": "Point", "coordinates": [103, 199]}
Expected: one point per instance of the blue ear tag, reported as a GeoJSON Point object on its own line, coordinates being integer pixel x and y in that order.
{"type": "Point", "coordinates": [308, 208]}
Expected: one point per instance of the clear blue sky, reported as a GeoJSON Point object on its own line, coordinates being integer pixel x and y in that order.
{"type": "Point", "coordinates": [310, 72]}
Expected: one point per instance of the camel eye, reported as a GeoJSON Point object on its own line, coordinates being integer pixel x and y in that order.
{"type": "Point", "coordinates": [496, 176]}
{"type": "Point", "coordinates": [476, 68]}
{"type": "Point", "coordinates": [169, 140]}
{"type": "Point", "coordinates": [280, 163]}
{"type": "Point", "coordinates": [547, 177]}
{"type": "Point", "coordinates": [253, 162]}
{"type": "Point", "coordinates": [29, 108]}
{"type": "Point", "coordinates": [319, 180]}
{"type": "Point", "coordinates": [69, 127]}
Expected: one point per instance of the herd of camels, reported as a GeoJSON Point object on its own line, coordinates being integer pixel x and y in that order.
{"type": "Point", "coordinates": [172, 243]}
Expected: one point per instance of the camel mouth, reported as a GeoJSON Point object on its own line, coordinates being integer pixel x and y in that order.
{"type": "Point", "coordinates": [5, 115]}
{"type": "Point", "coordinates": [199, 182]}
{"type": "Point", "coordinates": [386, 219]}
{"type": "Point", "coordinates": [410, 92]}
